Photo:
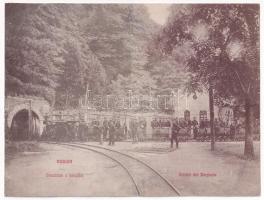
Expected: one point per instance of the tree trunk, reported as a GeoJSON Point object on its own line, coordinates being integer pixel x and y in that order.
{"type": "Point", "coordinates": [249, 119]}
{"type": "Point", "coordinates": [29, 120]}
{"type": "Point", "coordinates": [211, 107]}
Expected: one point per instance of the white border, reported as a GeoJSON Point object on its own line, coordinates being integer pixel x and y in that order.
{"type": "Point", "coordinates": [134, 1]}
{"type": "Point", "coordinates": [2, 78]}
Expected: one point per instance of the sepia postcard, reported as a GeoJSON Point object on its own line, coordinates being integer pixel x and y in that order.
{"type": "Point", "coordinates": [121, 100]}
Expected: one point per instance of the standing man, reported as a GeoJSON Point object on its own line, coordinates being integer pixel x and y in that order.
{"type": "Point", "coordinates": [232, 130]}
{"type": "Point", "coordinates": [195, 131]}
{"type": "Point", "coordinates": [140, 130]}
{"type": "Point", "coordinates": [111, 133]}
{"type": "Point", "coordinates": [96, 130]}
{"type": "Point", "coordinates": [125, 130]}
{"type": "Point", "coordinates": [76, 131]}
{"type": "Point", "coordinates": [143, 129]}
{"type": "Point", "coordinates": [174, 134]}
{"type": "Point", "coordinates": [105, 128]}
{"type": "Point", "coordinates": [195, 128]}
{"type": "Point", "coordinates": [118, 129]}
{"type": "Point", "coordinates": [134, 131]}
{"type": "Point", "coordinates": [101, 132]}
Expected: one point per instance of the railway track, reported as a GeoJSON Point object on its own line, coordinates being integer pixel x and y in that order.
{"type": "Point", "coordinates": [147, 181]}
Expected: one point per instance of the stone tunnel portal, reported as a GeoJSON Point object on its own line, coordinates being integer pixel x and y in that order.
{"type": "Point", "coordinates": [23, 129]}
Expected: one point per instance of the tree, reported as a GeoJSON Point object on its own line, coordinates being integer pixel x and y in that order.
{"type": "Point", "coordinates": [87, 45]}
{"type": "Point", "coordinates": [35, 47]}
{"type": "Point", "coordinates": [222, 38]}
{"type": "Point", "coordinates": [119, 36]}
{"type": "Point", "coordinates": [169, 73]}
{"type": "Point", "coordinates": [82, 69]}
{"type": "Point", "coordinates": [31, 61]}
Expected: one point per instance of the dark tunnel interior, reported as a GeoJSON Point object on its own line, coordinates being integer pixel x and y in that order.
{"type": "Point", "coordinates": [20, 129]}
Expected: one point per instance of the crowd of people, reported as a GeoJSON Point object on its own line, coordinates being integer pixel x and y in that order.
{"type": "Point", "coordinates": [133, 128]}
{"type": "Point", "coordinates": [102, 130]}
{"type": "Point", "coordinates": [196, 130]}
{"type": "Point", "coordinates": [110, 130]}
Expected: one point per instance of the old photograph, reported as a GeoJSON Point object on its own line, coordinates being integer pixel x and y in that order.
{"type": "Point", "coordinates": [124, 100]}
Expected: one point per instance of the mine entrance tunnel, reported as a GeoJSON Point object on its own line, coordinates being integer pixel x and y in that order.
{"type": "Point", "coordinates": [24, 129]}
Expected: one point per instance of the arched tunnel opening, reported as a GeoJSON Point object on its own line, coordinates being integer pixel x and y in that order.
{"type": "Point", "coordinates": [23, 129]}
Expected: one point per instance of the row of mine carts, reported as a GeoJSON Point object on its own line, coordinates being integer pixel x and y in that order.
{"type": "Point", "coordinates": [66, 131]}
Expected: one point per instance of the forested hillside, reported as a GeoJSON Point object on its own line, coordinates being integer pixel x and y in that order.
{"type": "Point", "coordinates": [57, 51]}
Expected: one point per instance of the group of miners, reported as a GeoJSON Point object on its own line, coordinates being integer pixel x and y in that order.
{"type": "Point", "coordinates": [113, 130]}
{"type": "Point", "coordinates": [134, 128]}
{"type": "Point", "coordinates": [166, 123]}
{"type": "Point", "coordinates": [110, 129]}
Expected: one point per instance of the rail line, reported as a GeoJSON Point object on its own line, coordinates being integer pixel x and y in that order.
{"type": "Point", "coordinates": [111, 158]}
{"type": "Point", "coordinates": [105, 151]}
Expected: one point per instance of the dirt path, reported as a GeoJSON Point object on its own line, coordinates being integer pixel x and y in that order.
{"type": "Point", "coordinates": [30, 174]}
{"type": "Point", "coordinates": [197, 171]}
{"type": "Point", "coordinates": [193, 169]}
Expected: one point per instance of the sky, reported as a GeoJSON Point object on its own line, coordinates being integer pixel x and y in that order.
{"type": "Point", "coordinates": [158, 12]}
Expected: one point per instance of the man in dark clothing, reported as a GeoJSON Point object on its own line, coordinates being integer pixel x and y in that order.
{"type": "Point", "coordinates": [189, 127]}
{"type": "Point", "coordinates": [168, 124]}
{"type": "Point", "coordinates": [174, 134]}
{"type": "Point", "coordinates": [125, 130]}
{"type": "Point", "coordinates": [105, 128]}
{"type": "Point", "coordinates": [134, 131]}
{"type": "Point", "coordinates": [232, 131]}
{"type": "Point", "coordinates": [118, 129]}
{"type": "Point", "coordinates": [153, 124]}
{"type": "Point", "coordinates": [195, 128]}
{"type": "Point", "coordinates": [96, 132]}
{"type": "Point", "coordinates": [160, 123]}
{"type": "Point", "coordinates": [81, 131]}
{"type": "Point", "coordinates": [111, 133]}
{"type": "Point", "coordinates": [194, 122]}
{"type": "Point", "coordinates": [101, 133]}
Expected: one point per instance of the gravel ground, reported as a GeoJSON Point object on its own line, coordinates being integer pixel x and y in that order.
{"type": "Point", "coordinates": [29, 174]}
{"type": "Point", "coordinates": [224, 171]}
{"type": "Point", "coordinates": [193, 169]}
